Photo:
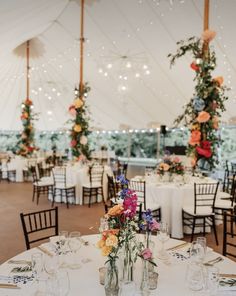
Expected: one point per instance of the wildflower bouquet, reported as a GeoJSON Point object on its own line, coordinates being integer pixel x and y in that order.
{"type": "Point", "coordinates": [171, 165]}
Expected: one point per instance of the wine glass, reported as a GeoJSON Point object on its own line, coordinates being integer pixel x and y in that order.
{"type": "Point", "coordinates": [163, 236]}
{"type": "Point", "coordinates": [63, 238]}
{"type": "Point", "coordinates": [194, 277]}
{"type": "Point", "coordinates": [74, 245]}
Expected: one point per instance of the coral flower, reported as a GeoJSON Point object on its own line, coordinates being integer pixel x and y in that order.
{"type": "Point", "coordinates": [208, 35]}
{"type": "Point", "coordinates": [73, 143]}
{"type": "Point", "coordinates": [72, 110]}
{"type": "Point", "coordinates": [28, 102]}
{"type": "Point", "coordinates": [203, 116]}
{"type": "Point", "coordinates": [195, 138]}
{"type": "Point", "coordinates": [164, 166]}
{"type": "Point", "coordinates": [219, 80]}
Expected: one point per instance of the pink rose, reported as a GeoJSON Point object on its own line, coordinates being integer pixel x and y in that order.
{"type": "Point", "coordinates": [154, 225]}
{"type": "Point", "coordinates": [146, 254]}
{"type": "Point", "coordinates": [176, 159]}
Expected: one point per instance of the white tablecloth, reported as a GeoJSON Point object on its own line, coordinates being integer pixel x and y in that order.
{"type": "Point", "coordinates": [79, 175]}
{"type": "Point", "coordinates": [172, 197]}
{"type": "Point", "coordinates": [85, 281]}
{"type": "Point", "coordinates": [18, 163]}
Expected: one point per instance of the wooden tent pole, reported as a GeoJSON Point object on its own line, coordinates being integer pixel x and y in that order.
{"type": "Point", "coordinates": [27, 68]}
{"type": "Point", "coordinates": [81, 85]}
{"type": "Point", "coordinates": [206, 25]}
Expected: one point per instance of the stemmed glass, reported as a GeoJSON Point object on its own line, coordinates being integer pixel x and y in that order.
{"type": "Point", "coordinates": [163, 236]}
{"type": "Point", "coordinates": [51, 264]}
{"type": "Point", "coordinates": [74, 245]}
{"type": "Point", "coordinates": [63, 247]}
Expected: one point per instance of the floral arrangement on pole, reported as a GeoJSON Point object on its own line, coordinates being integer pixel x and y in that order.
{"type": "Point", "coordinates": [171, 165]}
{"type": "Point", "coordinates": [119, 239]}
{"type": "Point", "coordinates": [203, 111]}
{"type": "Point", "coordinates": [26, 143]}
{"type": "Point", "coordinates": [80, 124]}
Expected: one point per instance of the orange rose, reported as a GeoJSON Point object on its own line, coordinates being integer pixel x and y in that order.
{"type": "Point", "coordinates": [164, 166]}
{"type": "Point", "coordinates": [100, 244]}
{"type": "Point", "coordinates": [219, 80]}
{"type": "Point", "coordinates": [215, 122]}
{"type": "Point", "coordinates": [78, 103]}
{"type": "Point", "coordinates": [77, 128]}
{"type": "Point", "coordinates": [116, 210]}
{"type": "Point", "coordinates": [203, 116]}
{"type": "Point", "coordinates": [208, 35]}
{"type": "Point", "coordinates": [195, 138]}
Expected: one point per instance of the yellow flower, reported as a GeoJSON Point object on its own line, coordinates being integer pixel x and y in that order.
{"type": "Point", "coordinates": [116, 210]}
{"type": "Point", "coordinates": [112, 241]}
{"type": "Point", "coordinates": [101, 243]}
{"type": "Point", "coordinates": [106, 250]}
{"type": "Point", "coordinates": [78, 103]}
{"type": "Point", "coordinates": [77, 128]}
{"type": "Point", "coordinates": [195, 127]}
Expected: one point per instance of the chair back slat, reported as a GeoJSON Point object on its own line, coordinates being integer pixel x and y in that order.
{"type": "Point", "coordinates": [229, 235]}
{"type": "Point", "coordinates": [96, 174]}
{"type": "Point", "coordinates": [204, 195]}
{"type": "Point", "coordinates": [59, 175]}
{"type": "Point", "coordinates": [40, 222]}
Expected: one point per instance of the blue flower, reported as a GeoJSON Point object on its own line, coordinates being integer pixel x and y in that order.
{"type": "Point", "coordinates": [198, 104]}
{"type": "Point", "coordinates": [122, 180]}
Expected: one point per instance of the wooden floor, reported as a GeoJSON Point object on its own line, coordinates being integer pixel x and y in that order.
{"type": "Point", "coordinates": [17, 197]}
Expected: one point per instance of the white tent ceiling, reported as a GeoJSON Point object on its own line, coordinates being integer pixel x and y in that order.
{"type": "Point", "coordinates": [140, 32]}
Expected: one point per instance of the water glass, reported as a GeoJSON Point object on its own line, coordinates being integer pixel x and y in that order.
{"type": "Point", "coordinates": [75, 244]}
{"type": "Point", "coordinates": [51, 264]}
{"type": "Point", "coordinates": [197, 252]}
{"type": "Point", "coordinates": [63, 238]}
{"type": "Point", "coordinates": [102, 273]}
{"type": "Point", "coordinates": [37, 265]}
{"type": "Point", "coordinates": [212, 280]}
{"type": "Point", "coordinates": [153, 278]}
{"type": "Point", "coordinates": [203, 242]}
{"type": "Point", "coordinates": [163, 236]}
{"type": "Point", "coordinates": [194, 277]}
{"type": "Point", "coordinates": [63, 283]}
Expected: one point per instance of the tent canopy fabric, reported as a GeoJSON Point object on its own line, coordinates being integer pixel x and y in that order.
{"type": "Point", "coordinates": [125, 61]}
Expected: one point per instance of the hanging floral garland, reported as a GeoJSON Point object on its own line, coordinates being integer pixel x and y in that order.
{"type": "Point", "coordinates": [26, 143]}
{"type": "Point", "coordinates": [80, 124]}
{"type": "Point", "coordinates": [202, 113]}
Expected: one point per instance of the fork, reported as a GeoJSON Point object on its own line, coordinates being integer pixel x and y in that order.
{"type": "Point", "coordinates": [213, 261]}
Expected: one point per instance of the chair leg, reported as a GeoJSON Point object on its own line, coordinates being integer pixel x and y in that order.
{"type": "Point", "coordinates": [67, 201]}
{"type": "Point", "coordinates": [232, 223]}
{"type": "Point", "coordinates": [90, 196]}
{"type": "Point", "coordinates": [214, 229]}
{"type": "Point", "coordinates": [194, 221]}
{"type": "Point", "coordinates": [38, 195]}
{"type": "Point", "coordinates": [53, 197]}
{"type": "Point", "coordinates": [33, 193]}
{"type": "Point", "coordinates": [204, 226]}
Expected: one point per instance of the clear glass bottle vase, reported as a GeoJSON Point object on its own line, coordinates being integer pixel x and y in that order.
{"type": "Point", "coordinates": [144, 287]}
{"type": "Point", "coordinates": [111, 280]}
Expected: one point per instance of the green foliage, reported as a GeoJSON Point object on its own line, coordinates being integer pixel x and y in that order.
{"type": "Point", "coordinates": [80, 124]}
{"type": "Point", "coordinates": [26, 144]}
{"type": "Point", "coordinates": [209, 96]}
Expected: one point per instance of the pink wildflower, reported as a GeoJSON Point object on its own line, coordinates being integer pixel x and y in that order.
{"type": "Point", "coordinates": [146, 254]}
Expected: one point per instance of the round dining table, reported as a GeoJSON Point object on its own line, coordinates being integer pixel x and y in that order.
{"type": "Point", "coordinates": [85, 280]}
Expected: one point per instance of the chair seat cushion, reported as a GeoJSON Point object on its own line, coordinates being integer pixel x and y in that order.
{"type": "Point", "coordinates": [42, 183]}
{"type": "Point", "coordinates": [201, 211]}
{"type": "Point", "coordinates": [223, 194]}
{"type": "Point", "coordinates": [94, 185]}
{"type": "Point", "coordinates": [62, 186]}
{"type": "Point", "coordinates": [47, 180]}
{"type": "Point", "coordinates": [223, 204]}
